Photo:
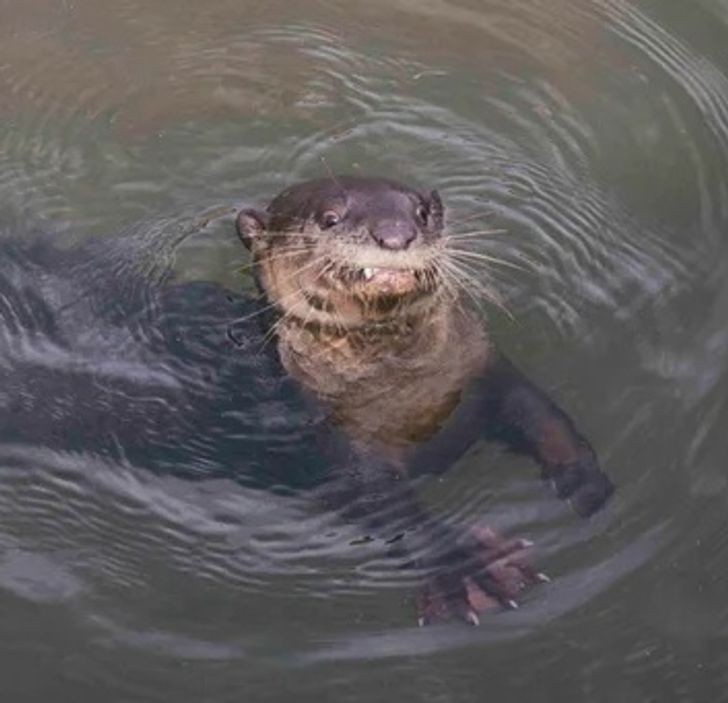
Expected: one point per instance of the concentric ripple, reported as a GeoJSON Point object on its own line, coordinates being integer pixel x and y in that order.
{"type": "Point", "coordinates": [581, 148]}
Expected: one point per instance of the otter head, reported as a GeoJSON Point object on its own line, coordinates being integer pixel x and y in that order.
{"type": "Point", "coordinates": [347, 251]}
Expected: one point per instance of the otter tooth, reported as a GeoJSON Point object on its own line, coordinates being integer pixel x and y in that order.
{"type": "Point", "coordinates": [368, 273]}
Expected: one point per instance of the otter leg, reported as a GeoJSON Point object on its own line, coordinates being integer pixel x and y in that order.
{"type": "Point", "coordinates": [523, 417]}
{"type": "Point", "coordinates": [465, 572]}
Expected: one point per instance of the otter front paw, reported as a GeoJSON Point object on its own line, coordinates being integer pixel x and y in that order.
{"type": "Point", "coordinates": [583, 484]}
{"type": "Point", "coordinates": [482, 573]}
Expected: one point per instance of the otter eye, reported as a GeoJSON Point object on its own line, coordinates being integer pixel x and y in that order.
{"type": "Point", "coordinates": [422, 214]}
{"type": "Point", "coordinates": [330, 219]}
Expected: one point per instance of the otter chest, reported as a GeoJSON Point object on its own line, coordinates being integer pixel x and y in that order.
{"type": "Point", "coordinates": [400, 409]}
{"type": "Point", "coordinates": [394, 400]}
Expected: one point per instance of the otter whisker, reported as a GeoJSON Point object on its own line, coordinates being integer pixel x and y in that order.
{"type": "Point", "coordinates": [437, 275]}
{"type": "Point", "coordinates": [271, 333]}
{"type": "Point", "coordinates": [449, 290]}
{"type": "Point", "coordinates": [314, 262]}
{"type": "Point", "coordinates": [307, 265]}
{"type": "Point", "coordinates": [336, 181]}
{"type": "Point", "coordinates": [278, 302]}
{"type": "Point", "coordinates": [450, 283]}
{"type": "Point", "coordinates": [493, 296]}
{"type": "Point", "coordinates": [265, 308]}
{"type": "Point", "coordinates": [338, 326]}
{"type": "Point", "coordinates": [486, 258]}
{"type": "Point", "coordinates": [290, 234]}
{"type": "Point", "coordinates": [471, 217]}
{"type": "Point", "coordinates": [462, 274]}
{"type": "Point", "coordinates": [289, 314]}
{"type": "Point", "coordinates": [472, 275]}
{"type": "Point", "coordinates": [268, 336]}
{"type": "Point", "coordinates": [287, 254]}
{"type": "Point", "coordinates": [474, 233]}
{"type": "Point", "coordinates": [459, 278]}
{"type": "Point", "coordinates": [274, 329]}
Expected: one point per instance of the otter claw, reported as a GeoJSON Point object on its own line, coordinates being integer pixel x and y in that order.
{"type": "Point", "coordinates": [481, 575]}
{"type": "Point", "coordinates": [472, 618]}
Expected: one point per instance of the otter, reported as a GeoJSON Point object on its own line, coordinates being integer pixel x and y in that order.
{"type": "Point", "coordinates": [372, 326]}
{"type": "Point", "coordinates": [380, 375]}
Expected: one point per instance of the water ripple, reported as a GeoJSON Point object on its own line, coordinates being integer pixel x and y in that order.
{"type": "Point", "coordinates": [593, 135]}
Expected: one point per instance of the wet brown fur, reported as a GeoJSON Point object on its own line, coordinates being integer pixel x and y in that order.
{"type": "Point", "coordinates": [390, 362]}
{"type": "Point", "coordinates": [372, 323]}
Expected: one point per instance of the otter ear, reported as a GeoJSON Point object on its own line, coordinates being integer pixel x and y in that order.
{"type": "Point", "coordinates": [436, 208]}
{"type": "Point", "coordinates": [250, 225]}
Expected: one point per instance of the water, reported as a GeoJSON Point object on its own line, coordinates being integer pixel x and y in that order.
{"type": "Point", "coordinates": [595, 133]}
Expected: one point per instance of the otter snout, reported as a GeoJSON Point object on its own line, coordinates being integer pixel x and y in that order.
{"type": "Point", "coordinates": [393, 235]}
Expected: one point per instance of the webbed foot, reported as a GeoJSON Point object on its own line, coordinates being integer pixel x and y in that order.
{"type": "Point", "coordinates": [484, 572]}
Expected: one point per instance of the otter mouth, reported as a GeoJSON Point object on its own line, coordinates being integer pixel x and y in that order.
{"type": "Point", "coordinates": [385, 280]}
{"type": "Point", "coordinates": [348, 286]}
{"type": "Point", "coordinates": [386, 275]}
{"type": "Point", "coordinates": [373, 271]}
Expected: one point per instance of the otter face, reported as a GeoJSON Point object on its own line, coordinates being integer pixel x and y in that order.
{"type": "Point", "coordinates": [346, 250]}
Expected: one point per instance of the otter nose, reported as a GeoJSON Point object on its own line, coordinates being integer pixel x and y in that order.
{"type": "Point", "coordinates": [393, 235]}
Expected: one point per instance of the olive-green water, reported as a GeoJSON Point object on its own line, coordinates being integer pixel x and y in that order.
{"type": "Point", "coordinates": [594, 134]}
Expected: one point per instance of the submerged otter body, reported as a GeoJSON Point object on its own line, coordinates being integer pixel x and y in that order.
{"type": "Point", "coordinates": [372, 323]}
{"type": "Point", "coordinates": [371, 334]}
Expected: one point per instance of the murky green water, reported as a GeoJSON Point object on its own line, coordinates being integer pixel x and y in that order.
{"type": "Point", "coordinates": [595, 133]}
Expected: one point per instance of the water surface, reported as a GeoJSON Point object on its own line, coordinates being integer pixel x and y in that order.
{"type": "Point", "coordinates": [594, 133]}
